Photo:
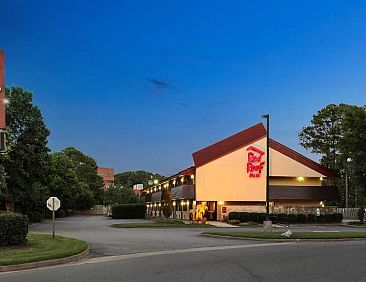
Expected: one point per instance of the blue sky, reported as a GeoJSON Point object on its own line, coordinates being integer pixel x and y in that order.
{"type": "Point", "coordinates": [143, 84]}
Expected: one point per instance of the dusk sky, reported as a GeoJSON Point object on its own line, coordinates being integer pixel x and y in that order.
{"type": "Point", "coordinates": [144, 84]}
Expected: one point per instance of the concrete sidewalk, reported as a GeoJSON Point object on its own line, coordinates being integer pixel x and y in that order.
{"type": "Point", "coordinates": [221, 224]}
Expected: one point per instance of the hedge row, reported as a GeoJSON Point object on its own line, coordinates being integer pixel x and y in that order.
{"type": "Point", "coordinates": [285, 218]}
{"type": "Point", "coordinates": [13, 229]}
{"type": "Point", "coordinates": [128, 211]}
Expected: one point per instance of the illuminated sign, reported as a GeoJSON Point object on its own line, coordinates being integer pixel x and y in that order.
{"type": "Point", "coordinates": [255, 164]}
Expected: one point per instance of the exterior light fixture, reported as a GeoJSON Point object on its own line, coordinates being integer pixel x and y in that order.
{"type": "Point", "coordinates": [159, 204]}
{"type": "Point", "coordinates": [300, 178]}
{"type": "Point", "coordinates": [182, 203]}
{"type": "Point", "coordinates": [221, 203]}
{"type": "Point", "coordinates": [182, 179]}
{"type": "Point", "coordinates": [187, 202]}
{"type": "Point", "coordinates": [155, 181]}
{"type": "Point", "coordinates": [174, 203]}
{"type": "Point", "coordinates": [322, 204]}
{"type": "Point", "coordinates": [192, 176]}
{"type": "Point", "coordinates": [174, 181]}
{"type": "Point", "coordinates": [321, 178]}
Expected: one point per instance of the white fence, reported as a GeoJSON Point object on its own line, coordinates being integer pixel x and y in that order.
{"type": "Point", "coordinates": [350, 213]}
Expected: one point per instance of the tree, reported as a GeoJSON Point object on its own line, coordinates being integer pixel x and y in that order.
{"type": "Point", "coordinates": [86, 172]}
{"type": "Point", "coordinates": [129, 178]}
{"type": "Point", "coordinates": [26, 162]}
{"type": "Point", "coordinates": [64, 183]}
{"type": "Point", "coordinates": [338, 133]}
{"type": "Point", "coordinates": [3, 188]}
{"type": "Point", "coordinates": [119, 195]}
{"type": "Point", "coordinates": [167, 205]}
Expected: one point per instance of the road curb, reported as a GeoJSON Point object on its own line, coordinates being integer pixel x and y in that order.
{"type": "Point", "coordinates": [284, 240]}
{"type": "Point", "coordinates": [42, 263]}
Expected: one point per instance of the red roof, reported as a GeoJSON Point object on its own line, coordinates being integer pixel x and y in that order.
{"type": "Point", "coordinates": [230, 144]}
{"type": "Point", "coordinates": [247, 137]}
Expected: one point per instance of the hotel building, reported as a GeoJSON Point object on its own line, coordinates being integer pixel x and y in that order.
{"type": "Point", "coordinates": [230, 175]}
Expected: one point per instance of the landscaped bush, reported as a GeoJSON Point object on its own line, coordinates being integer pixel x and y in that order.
{"type": "Point", "coordinates": [311, 218]}
{"type": "Point", "coordinates": [338, 217]}
{"type": "Point", "coordinates": [128, 211]}
{"type": "Point", "coordinates": [301, 217]}
{"type": "Point", "coordinates": [35, 216]}
{"type": "Point", "coordinates": [284, 218]}
{"type": "Point", "coordinates": [13, 229]}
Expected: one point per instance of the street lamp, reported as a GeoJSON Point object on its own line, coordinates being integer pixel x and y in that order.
{"type": "Point", "coordinates": [268, 224]}
{"type": "Point", "coordinates": [348, 161]}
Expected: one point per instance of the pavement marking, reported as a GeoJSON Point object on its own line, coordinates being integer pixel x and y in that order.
{"type": "Point", "coordinates": [153, 253]}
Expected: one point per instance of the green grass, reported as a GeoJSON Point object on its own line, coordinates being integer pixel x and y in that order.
{"type": "Point", "coordinates": [158, 224]}
{"type": "Point", "coordinates": [356, 223]}
{"type": "Point", "coordinates": [41, 247]}
{"type": "Point", "coordinates": [295, 235]}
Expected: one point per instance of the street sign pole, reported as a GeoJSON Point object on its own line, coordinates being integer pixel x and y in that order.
{"type": "Point", "coordinates": [53, 218]}
{"type": "Point", "coordinates": [53, 204]}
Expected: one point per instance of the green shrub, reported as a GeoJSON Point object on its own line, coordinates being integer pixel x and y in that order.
{"type": "Point", "coordinates": [301, 218]}
{"type": "Point", "coordinates": [311, 217]}
{"type": "Point", "coordinates": [35, 216]}
{"type": "Point", "coordinates": [283, 218]}
{"type": "Point", "coordinates": [361, 213]}
{"type": "Point", "coordinates": [321, 218]}
{"type": "Point", "coordinates": [338, 217]}
{"type": "Point", "coordinates": [293, 218]}
{"type": "Point", "coordinates": [233, 221]}
{"type": "Point", "coordinates": [273, 217]}
{"type": "Point", "coordinates": [329, 217]}
{"type": "Point", "coordinates": [233, 216]}
{"type": "Point", "coordinates": [70, 212]}
{"type": "Point", "coordinates": [128, 211]}
{"type": "Point", "coordinates": [13, 229]}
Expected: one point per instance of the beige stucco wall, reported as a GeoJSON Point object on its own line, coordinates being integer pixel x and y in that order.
{"type": "Point", "coordinates": [281, 165]}
{"type": "Point", "coordinates": [226, 178]}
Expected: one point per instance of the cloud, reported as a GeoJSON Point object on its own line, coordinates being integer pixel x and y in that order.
{"type": "Point", "coordinates": [161, 84]}
{"type": "Point", "coordinates": [183, 104]}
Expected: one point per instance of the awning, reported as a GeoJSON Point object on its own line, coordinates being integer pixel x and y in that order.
{"type": "Point", "coordinates": [183, 192]}
{"type": "Point", "coordinates": [156, 197]}
{"type": "Point", "coordinates": [303, 193]}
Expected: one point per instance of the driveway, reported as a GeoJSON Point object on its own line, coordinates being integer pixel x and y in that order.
{"type": "Point", "coordinates": [105, 240]}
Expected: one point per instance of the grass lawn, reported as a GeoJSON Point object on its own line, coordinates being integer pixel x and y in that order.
{"type": "Point", "coordinates": [357, 223]}
{"type": "Point", "coordinates": [295, 235]}
{"type": "Point", "coordinates": [158, 224]}
{"type": "Point", "coordinates": [41, 247]}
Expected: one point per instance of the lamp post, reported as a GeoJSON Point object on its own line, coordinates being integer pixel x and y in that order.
{"type": "Point", "coordinates": [348, 161]}
{"type": "Point", "coordinates": [268, 223]}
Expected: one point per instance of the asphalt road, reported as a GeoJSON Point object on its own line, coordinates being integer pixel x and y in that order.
{"type": "Point", "coordinates": [181, 255]}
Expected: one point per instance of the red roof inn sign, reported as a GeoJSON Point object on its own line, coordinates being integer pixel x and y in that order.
{"type": "Point", "coordinates": [255, 164]}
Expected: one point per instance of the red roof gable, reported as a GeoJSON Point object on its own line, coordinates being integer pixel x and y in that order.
{"type": "Point", "coordinates": [247, 137]}
{"type": "Point", "coordinates": [301, 158]}
{"type": "Point", "coordinates": [229, 144]}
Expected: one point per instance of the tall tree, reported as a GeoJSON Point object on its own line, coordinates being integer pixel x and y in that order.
{"type": "Point", "coordinates": [338, 134]}
{"type": "Point", "coordinates": [129, 178]}
{"type": "Point", "coordinates": [26, 162]}
{"type": "Point", "coordinates": [63, 180]}
{"type": "Point", "coordinates": [86, 171]}
{"type": "Point", "coordinates": [119, 195]}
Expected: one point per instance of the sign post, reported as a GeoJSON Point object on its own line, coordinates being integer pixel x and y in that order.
{"type": "Point", "coordinates": [53, 204]}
